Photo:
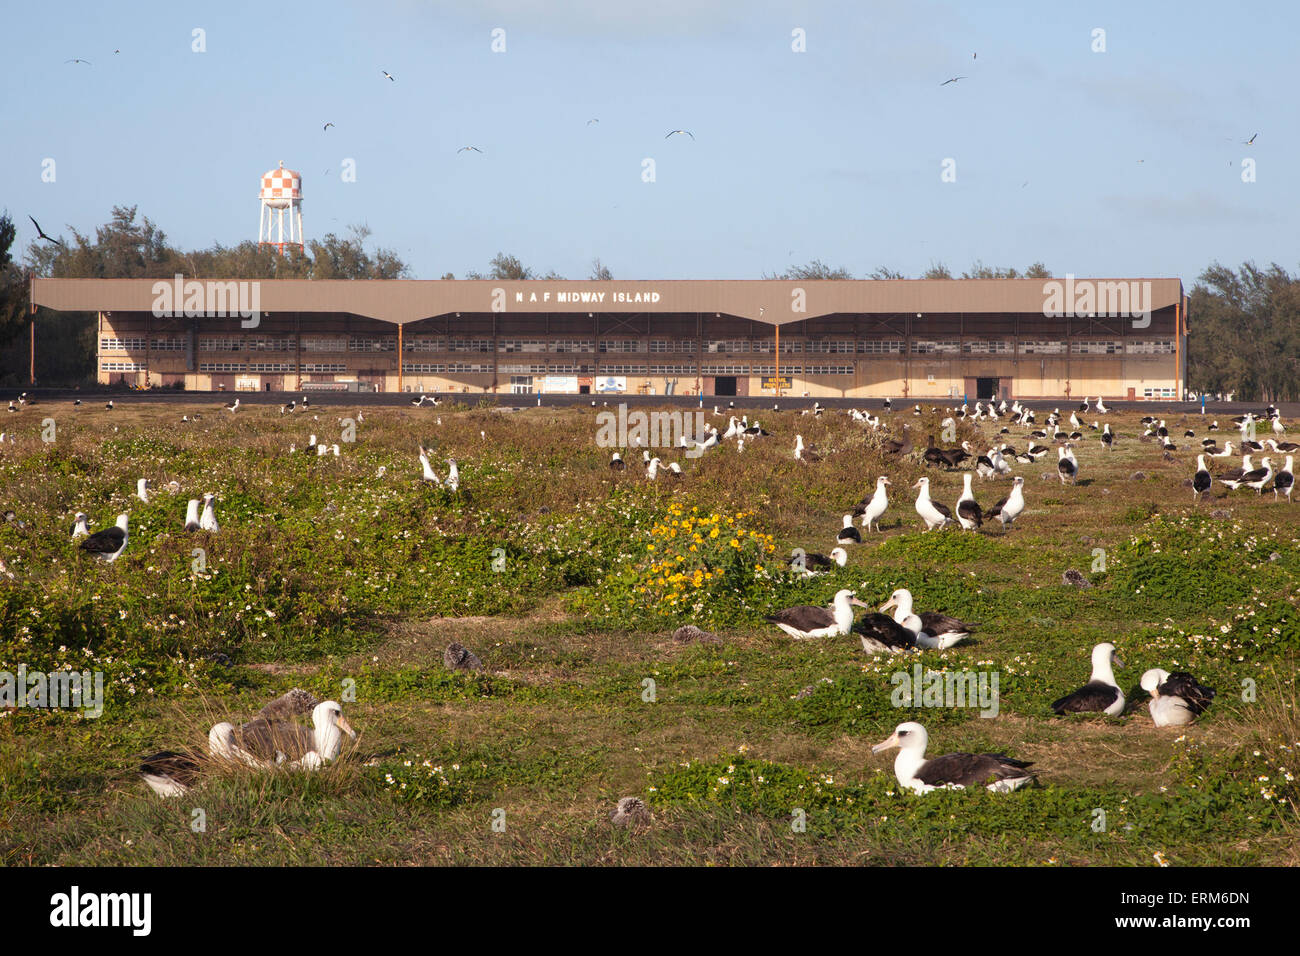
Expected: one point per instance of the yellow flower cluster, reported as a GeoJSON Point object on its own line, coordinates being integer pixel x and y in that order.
{"type": "Point", "coordinates": [690, 550]}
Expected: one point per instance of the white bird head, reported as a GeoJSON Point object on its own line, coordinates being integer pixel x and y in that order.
{"type": "Point", "coordinates": [906, 736]}
{"type": "Point", "coordinates": [1152, 679]}
{"type": "Point", "coordinates": [901, 599]}
{"type": "Point", "coordinates": [328, 720]}
{"type": "Point", "coordinates": [1103, 656]}
{"type": "Point", "coordinates": [848, 598]}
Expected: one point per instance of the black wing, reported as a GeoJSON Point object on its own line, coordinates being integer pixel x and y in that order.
{"type": "Point", "coordinates": [1090, 698]}
{"type": "Point", "coordinates": [104, 542]}
{"type": "Point", "coordinates": [179, 767]}
{"type": "Point", "coordinates": [970, 510]}
{"type": "Point", "coordinates": [265, 738]}
{"type": "Point", "coordinates": [942, 509]}
{"type": "Point", "coordinates": [1184, 685]}
{"type": "Point", "coordinates": [935, 623]}
{"type": "Point", "coordinates": [805, 617]}
{"type": "Point", "coordinates": [885, 630]}
{"type": "Point", "coordinates": [970, 770]}
{"type": "Point", "coordinates": [997, 508]}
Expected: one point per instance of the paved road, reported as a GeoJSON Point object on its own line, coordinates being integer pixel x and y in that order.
{"type": "Point", "coordinates": [1288, 410]}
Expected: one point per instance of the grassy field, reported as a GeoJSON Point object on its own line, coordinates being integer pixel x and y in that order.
{"type": "Point", "coordinates": [326, 576]}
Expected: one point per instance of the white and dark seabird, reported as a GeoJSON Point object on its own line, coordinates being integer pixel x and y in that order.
{"type": "Point", "coordinates": [1177, 698]}
{"type": "Point", "coordinates": [881, 634]}
{"type": "Point", "coordinates": [1284, 480]}
{"type": "Point", "coordinates": [806, 621]}
{"type": "Point", "coordinates": [937, 630]}
{"type": "Point", "coordinates": [873, 505]}
{"type": "Point", "coordinates": [192, 515]}
{"type": "Point", "coordinates": [932, 513]}
{"type": "Point", "coordinates": [997, 772]}
{"type": "Point", "coordinates": [1201, 481]}
{"type": "Point", "coordinates": [617, 463]}
{"type": "Point", "coordinates": [1009, 508]}
{"type": "Point", "coordinates": [429, 474]}
{"type": "Point", "coordinates": [848, 533]}
{"type": "Point", "coordinates": [1101, 693]}
{"type": "Point", "coordinates": [108, 545]}
{"type": "Point", "coordinates": [820, 563]}
{"type": "Point", "coordinates": [208, 522]}
{"type": "Point", "coordinates": [172, 774]}
{"type": "Point", "coordinates": [969, 515]}
{"type": "Point", "coordinates": [1067, 467]}
{"type": "Point", "coordinates": [79, 528]}
{"type": "Point", "coordinates": [142, 490]}
{"type": "Point", "coordinates": [276, 737]}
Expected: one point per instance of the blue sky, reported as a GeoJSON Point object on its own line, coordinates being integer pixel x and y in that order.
{"type": "Point", "coordinates": [834, 153]}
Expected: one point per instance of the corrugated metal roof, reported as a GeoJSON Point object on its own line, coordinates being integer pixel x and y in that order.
{"type": "Point", "coordinates": [773, 301]}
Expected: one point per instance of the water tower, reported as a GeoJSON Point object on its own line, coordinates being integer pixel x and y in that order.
{"type": "Point", "coordinates": [281, 193]}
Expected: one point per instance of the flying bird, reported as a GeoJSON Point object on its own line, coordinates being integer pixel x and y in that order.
{"type": "Point", "coordinates": [326, 126]}
{"type": "Point", "coordinates": [679, 131]}
{"type": "Point", "coordinates": [474, 148]}
{"type": "Point", "coordinates": [389, 75]}
{"type": "Point", "coordinates": [88, 63]}
{"type": "Point", "coordinates": [40, 233]}
{"type": "Point", "coordinates": [1249, 142]}
{"type": "Point", "coordinates": [952, 80]}
{"type": "Point", "coordinates": [590, 121]}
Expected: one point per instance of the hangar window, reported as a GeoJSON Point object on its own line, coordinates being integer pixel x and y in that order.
{"type": "Point", "coordinates": [1103, 347]}
{"type": "Point", "coordinates": [621, 345]}
{"type": "Point", "coordinates": [880, 346]}
{"type": "Point", "coordinates": [322, 343]}
{"type": "Point", "coordinates": [424, 344]}
{"type": "Point", "coordinates": [1156, 347]}
{"type": "Point", "coordinates": [987, 347]}
{"type": "Point", "coordinates": [221, 367]}
{"type": "Point", "coordinates": [1042, 348]}
{"type": "Point", "coordinates": [927, 346]}
{"type": "Point", "coordinates": [121, 345]}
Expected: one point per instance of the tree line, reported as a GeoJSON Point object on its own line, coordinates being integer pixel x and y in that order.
{"type": "Point", "coordinates": [1243, 328]}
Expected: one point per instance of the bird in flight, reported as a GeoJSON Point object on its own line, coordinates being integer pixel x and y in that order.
{"type": "Point", "coordinates": [79, 60]}
{"type": "Point", "coordinates": [326, 126]}
{"type": "Point", "coordinates": [677, 131]}
{"type": "Point", "coordinates": [389, 75]}
{"type": "Point", "coordinates": [40, 233]}
{"type": "Point", "coordinates": [590, 121]}
{"type": "Point", "coordinates": [953, 80]}
{"type": "Point", "coordinates": [1251, 141]}
{"type": "Point", "coordinates": [474, 148]}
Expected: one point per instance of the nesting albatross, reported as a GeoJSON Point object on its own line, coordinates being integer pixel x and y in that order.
{"type": "Point", "coordinates": [1177, 698]}
{"type": "Point", "coordinates": [1101, 693]}
{"type": "Point", "coordinates": [807, 621]}
{"type": "Point", "coordinates": [997, 772]}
